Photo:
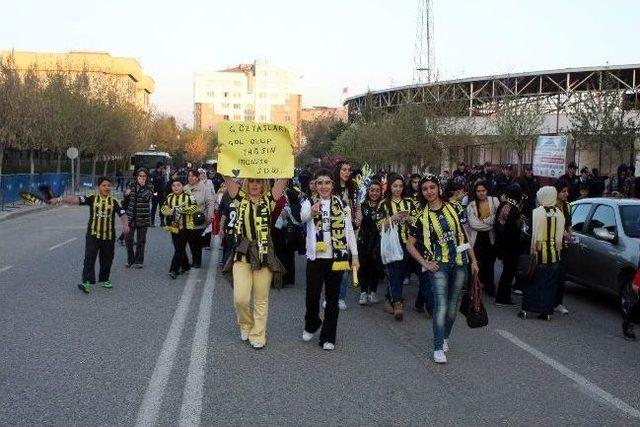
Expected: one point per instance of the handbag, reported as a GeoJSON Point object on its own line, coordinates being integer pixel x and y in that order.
{"type": "Point", "coordinates": [635, 284]}
{"type": "Point", "coordinates": [472, 306]}
{"type": "Point", "coordinates": [526, 266]}
{"type": "Point", "coordinates": [390, 246]}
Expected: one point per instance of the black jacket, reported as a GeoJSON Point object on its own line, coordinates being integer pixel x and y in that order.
{"type": "Point", "coordinates": [138, 205]}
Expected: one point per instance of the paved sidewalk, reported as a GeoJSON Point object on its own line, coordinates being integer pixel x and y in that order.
{"type": "Point", "coordinates": [19, 209]}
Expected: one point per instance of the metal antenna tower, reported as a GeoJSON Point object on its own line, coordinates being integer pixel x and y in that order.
{"type": "Point", "coordinates": [424, 56]}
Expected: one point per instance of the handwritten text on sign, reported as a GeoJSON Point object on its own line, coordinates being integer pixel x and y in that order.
{"type": "Point", "coordinates": [255, 150]}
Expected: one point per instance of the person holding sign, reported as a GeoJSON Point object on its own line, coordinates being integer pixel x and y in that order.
{"type": "Point", "coordinates": [330, 241]}
{"type": "Point", "coordinates": [253, 262]}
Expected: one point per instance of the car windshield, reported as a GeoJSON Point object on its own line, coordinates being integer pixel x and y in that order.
{"type": "Point", "coordinates": [630, 223]}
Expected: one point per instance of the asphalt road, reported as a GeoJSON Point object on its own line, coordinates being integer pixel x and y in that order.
{"type": "Point", "coordinates": [156, 351]}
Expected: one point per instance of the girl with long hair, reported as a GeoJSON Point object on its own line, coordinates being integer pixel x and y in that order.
{"type": "Point", "coordinates": [439, 244]}
{"type": "Point", "coordinates": [371, 270]}
{"type": "Point", "coordinates": [400, 211]}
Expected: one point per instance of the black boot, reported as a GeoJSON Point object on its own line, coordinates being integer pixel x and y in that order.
{"type": "Point", "coordinates": [627, 331]}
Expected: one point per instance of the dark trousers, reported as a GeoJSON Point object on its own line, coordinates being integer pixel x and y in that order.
{"type": "Point", "coordinates": [318, 273]}
{"type": "Point", "coordinates": [486, 259]}
{"type": "Point", "coordinates": [140, 234]}
{"type": "Point", "coordinates": [425, 294]}
{"type": "Point", "coordinates": [179, 259]}
{"type": "Point", "coordinates": [286, 254]}
{"type": "Point", "coordinates": [93, 249]}
{"type": "Point", "coordinates": [562, 278]}
{"type": "Point", "coordinates": [194, 238]}
{"type": "Point", "coordinates": [370, 272]}
{"type": "Point", "coordinates": [155, 202]}
{"type": "Point", "coordinates": [205, 241]}
{"type": "Point", "coordinates": [396, 272]}
{"type": "Point", "coordinates": [633, 315]}
{"type": "Point", "coordinates": [228, 244]}
{"type": "Point", "coordinates": [510, 267]}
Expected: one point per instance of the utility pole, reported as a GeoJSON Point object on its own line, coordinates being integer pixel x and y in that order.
{"type": "Point", "coordinates": [424, 55]}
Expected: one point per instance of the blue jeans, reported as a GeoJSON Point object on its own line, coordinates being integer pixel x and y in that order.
{"type": "Point", "coordinates": [447, 284]}
{"type": "Point", "coordinates": [344, 283]}
{"type": "Point", "coordinates": [396, 272]}
{"type": "Point", "coordinates": [426, 290]}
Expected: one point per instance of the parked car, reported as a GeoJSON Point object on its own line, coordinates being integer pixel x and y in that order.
{"type": "Point", "coordinates": [606, 248]}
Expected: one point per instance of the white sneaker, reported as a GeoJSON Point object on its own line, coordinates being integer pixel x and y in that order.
{"type": "Point", "coordinates": [373, 298]}
{"type": "Point", "coordinates": [342, 305]}
{"type": "Point", "coordinates": [324, 304]}
{"type": "Point", "coordinates": [307, 336]}
{"type": "Point", "coordinates": [328, 346]}
{"type": "Point", "coordinates": [439, 357]}
{"type": "Point", "coordinates": [363, 298]}
{"type": "Point", "coordinates": [445, 346]}
{"type": "Point", "coordinates": [244, 336]}
{"type": "Point", "coordinates": [562, 309]}
{"type": "Point", "coordinates": [257, 345]}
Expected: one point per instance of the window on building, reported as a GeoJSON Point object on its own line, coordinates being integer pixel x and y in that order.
{"type": "Point", "coordinates": [262, 118]}
{"type": "Point", "coordinates": [210, 94]}
{"type": "Point", "coordinates": [237, 106]}
{"type": "Point", "coordinates": [287, 118]}
{"type": "Point", "coordinates": [225, 105]}
{"type": "Point", "coordinates": [226, 94]}
{"type": "Point", "coordinates": [225, 117]}
{"type": "Point", "coordinates": [237, 117]}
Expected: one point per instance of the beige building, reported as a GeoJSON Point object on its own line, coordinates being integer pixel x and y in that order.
{"type": "Point", "coordinates": [249, 92]}
{"type": "Point", "coordinates": [126, 73]}
{"type": "Point", "coordinates": [317, 113]}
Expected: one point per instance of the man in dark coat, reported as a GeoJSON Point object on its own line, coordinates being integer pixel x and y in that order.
{"type": "Point", "coordinates": [159, 184]}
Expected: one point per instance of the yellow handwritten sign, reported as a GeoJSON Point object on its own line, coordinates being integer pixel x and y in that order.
{"type": "Point", "coordinates": [255, 150]}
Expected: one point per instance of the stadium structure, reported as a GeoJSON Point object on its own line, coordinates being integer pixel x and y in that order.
{"type": "Point", "coordinates": [555, 93]}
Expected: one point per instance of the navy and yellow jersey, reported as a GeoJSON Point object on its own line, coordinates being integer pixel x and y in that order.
{"type": "Point", "coordinates": [102, 214]}
{"type": "Point", "coordinates": [548, 252]}
{"type": "Point", "coordinates": [439, 233]}
{"type": "Point", "coordinates": [388, 208]}
{"type": "Point", "coordinates": [462, 212]}
{"type": "Point", "coordinates": [188, 206]}
{"type": "Point", "coordinates": [228, 209]}
{"type": "Point", "coordinates": [254, 219]}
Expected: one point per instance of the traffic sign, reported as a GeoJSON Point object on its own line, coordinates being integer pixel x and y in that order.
{"type": "Point", "coordinates": [72, 152]}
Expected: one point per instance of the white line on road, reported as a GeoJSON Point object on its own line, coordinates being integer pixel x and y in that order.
{"type": "Point", "coordinates": [3, 269]}
{"type": "Point", "coordinates": [62, 244]}
{"type": "Point", "coordinates": [191, 409]}
{"type": "Point", "coordinates": [148, 412]}
{"type": "Point", "coordinates": [587, 385]}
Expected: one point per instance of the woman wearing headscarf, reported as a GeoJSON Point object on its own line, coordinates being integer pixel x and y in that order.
{"type": "Point", "coordinates": [481, 215]}
{"type": "Point", "coordinates": [439, 244]}
{"type": "Point", "coordinates": [546, 242]}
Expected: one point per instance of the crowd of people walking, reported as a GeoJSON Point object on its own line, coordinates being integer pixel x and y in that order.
{"type": "Point", "coordinates": [481, 224]}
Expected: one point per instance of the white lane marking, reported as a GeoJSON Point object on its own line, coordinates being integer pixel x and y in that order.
{"type": "Point", "coordinates": [587, 385]}
{"type": "Point", "coordinates": [148, 412]}
{"type": "Point", "coordinates": [62, 244]}
{"type": "Point", "coordinates": [3, 269]}
{"type": "Point", "coordinates": [191, 409]}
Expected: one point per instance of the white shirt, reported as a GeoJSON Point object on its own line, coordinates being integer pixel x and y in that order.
{"type": "Point", "coordinates": [325, 211]}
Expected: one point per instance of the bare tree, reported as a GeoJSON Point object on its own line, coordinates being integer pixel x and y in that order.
{"type": "Point", "coordinates": [518, 123]}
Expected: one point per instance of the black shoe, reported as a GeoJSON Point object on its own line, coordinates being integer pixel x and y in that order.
{"type": "Point", "coordinates": [195, 265]}
{"type": "Point", "coordinates": [546, 317]}
{"type": "Point", "coordinates": [505, 303]}
{"type": "Point", "coordinates": [627, 331]}
{"type": "Point", "coordinates": [184, 270]}
{"type": "Point", "coordinates": [523, 314]}
{"type": "Point", "coordinates": [419, 308]}
{"type": "Point", "coordinates": [127, 265]}
{"type": "Point", "coordinates": [173, 275]}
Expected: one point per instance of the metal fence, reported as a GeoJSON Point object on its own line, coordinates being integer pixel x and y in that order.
{"type": "Point", "coordinates": [11, 185]}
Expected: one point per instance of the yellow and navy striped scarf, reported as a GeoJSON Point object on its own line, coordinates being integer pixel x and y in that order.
{"type": "Point", "coordinates": [185, 219]}
{"type": "Point", "coordinates": [548, 253]}
{"type": "Point", "coordinates": [447, 234]}
{"type": "Point", "coordinates": [338, 234]}
{"type": "Point", "coordinates": [254, 221]}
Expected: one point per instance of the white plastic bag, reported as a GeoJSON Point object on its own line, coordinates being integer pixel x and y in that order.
{"type": "Point", "coordinates": [390, 246]}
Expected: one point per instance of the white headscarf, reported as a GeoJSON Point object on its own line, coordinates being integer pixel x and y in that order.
{"type": "Point", "coordinates": [547, 196]}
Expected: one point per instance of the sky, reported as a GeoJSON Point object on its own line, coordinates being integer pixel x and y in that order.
{"type": "Point", "coordinates": [331, 43]}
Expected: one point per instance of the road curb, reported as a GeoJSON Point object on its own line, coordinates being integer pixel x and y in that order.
{"type": "Point", "coordinates": [21, 212]}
